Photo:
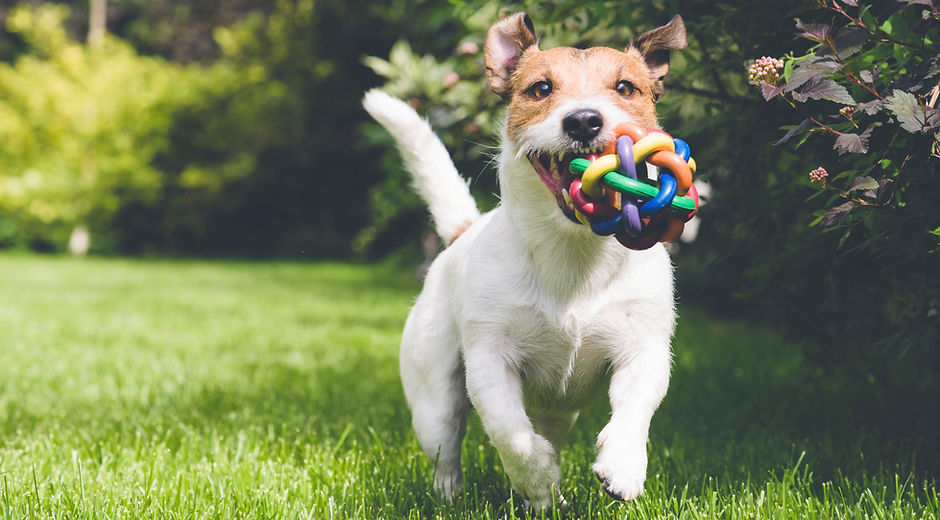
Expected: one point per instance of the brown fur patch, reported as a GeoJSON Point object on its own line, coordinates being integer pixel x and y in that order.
{"type": "Point", "coordinates": [579, 73]}
{"type": "Point", "coordinates": [460, 229]}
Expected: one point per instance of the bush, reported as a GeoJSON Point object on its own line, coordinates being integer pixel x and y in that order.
{"type": "Point", "coordinates": [87, 135]}
{"type": "Point", "coordinates": [868, 89]}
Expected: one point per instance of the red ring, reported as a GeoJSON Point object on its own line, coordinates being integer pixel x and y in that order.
{"type": "Point", "coordinates": [652, 230]}
{"type": "Point", "coordinates": [592, 210]}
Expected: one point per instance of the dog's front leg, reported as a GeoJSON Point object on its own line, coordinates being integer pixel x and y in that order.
{"type": "Point", "coordinates": [495, 389]}
{"type": "Point", "coordinates": [637, 386]}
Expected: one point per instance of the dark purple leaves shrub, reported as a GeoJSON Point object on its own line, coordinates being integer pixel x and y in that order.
{"type": "Point", "coordinates": [869, 83]}
{"type": "Point", "coordinates": [887, 60]}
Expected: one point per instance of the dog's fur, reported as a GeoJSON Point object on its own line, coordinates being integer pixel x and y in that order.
{"type": "Point", "coordinates": [527, 315]}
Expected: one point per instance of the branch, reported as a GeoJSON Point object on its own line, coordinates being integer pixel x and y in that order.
{"type": "Point", "coordinates": [714, 70]}
{"type": "Point", "coordinates": [881, 35]}
{"type": "Point", "coordinates": [721, 96]}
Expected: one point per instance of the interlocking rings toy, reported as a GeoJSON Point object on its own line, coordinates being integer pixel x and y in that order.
{"type": "Point", "coordinates": [639, 213]}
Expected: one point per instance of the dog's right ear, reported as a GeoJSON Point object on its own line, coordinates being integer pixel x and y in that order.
{"type": "Point", "coordinates": [505, 43]}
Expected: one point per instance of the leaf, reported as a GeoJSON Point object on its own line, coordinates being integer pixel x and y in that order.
{"type": "Point", "coordinates": [883, 184]}
{"type": "Point", "coordinates": [909, 113]}
{"type": "Point", "coordinates": [934, 68]}
{"type": "Point", "coordinates": [852, 143]}
{"type": "Point", "coordinates": [813, 31]}
{"type": "Point", "coordinates": [769, 91]}
{"type": "Point", "coordinates": [847, 42]}
{"type": "Point", "coordinates": [871, 108]}
{"type": "Point", "coordinates": [817, 88]}
{"type": "Point", "coordinates": [814, 67]}
{"type": "Point", "coordinates": [863, 183]}
{"type": "Point", "coordinates": [790, 133]}
{"type": "Point", "coordinates": [379, 66]}
{"type": "Point", "coordinates": [836, 214]}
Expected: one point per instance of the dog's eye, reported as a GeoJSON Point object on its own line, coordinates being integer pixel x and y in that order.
{"type": "Point", "coordinates": [540, 89]}
{"type": "Point", "coordinates": [625, 88]}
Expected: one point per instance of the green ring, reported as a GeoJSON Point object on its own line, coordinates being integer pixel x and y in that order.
{"type": "Point", "coordinates": [623, 184]}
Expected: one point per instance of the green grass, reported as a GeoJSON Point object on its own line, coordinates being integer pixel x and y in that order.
{"type": "Point", "coordinates": [185, 389]}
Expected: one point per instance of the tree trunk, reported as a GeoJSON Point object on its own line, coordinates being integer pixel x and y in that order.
{"type": "Point", "coordinates": [97, 21]}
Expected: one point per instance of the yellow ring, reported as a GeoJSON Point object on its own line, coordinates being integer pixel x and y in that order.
{"type": "Point", "coordinates": [582, 217]}
{"type": "Point", "coordinates": [653, 142]}
{"type": "Point", "coordinates": [692, 164]}
{"type": "Point", "coordinates": [591, 178]}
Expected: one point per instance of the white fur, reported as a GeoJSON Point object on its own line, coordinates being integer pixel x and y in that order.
{"type": "Point", "coordinates": [526, 317]}
{"type": "Point", "coordinates": [545, 136]}
{"type": "Point", "coordinates": [434, 174]}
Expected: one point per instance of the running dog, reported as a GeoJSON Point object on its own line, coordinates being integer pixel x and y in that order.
{"type": "Point", "coordinates": [527, 315]}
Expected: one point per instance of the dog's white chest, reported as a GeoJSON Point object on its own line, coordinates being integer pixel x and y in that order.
{"type": "Point", "coordinates": [560, 358]}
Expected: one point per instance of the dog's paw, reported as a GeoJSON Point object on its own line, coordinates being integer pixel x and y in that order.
{"type": "Point", "coordinates": [447, 484]}
{"type": "Point", "coordinates": [560, 503]}
{"type": "Point", "coordinates": [531, 463]}
{"type": "Point", "coordinates": [621, 466]}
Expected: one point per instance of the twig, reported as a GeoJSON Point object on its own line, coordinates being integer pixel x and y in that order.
{"type": "Point", "coordinates": [832, 46]}
{"type": "Point", "coordinates": [822, 126]}
{"type": "Point", "coordinates": [706, 93]}
{"type": "Point", "coordinates": [874, 32]}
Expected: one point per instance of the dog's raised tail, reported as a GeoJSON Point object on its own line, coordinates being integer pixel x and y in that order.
{"type": "Point", "coordinates": [446, 193]}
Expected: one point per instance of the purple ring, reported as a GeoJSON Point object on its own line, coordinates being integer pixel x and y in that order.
{"type": "Point", "coordinates": [629, 209]}
{"type": "Point", "coordinates": [625, 154]}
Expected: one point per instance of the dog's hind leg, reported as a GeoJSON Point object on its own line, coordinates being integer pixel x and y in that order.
{"type": "Point", "coordinates": [433, 378]}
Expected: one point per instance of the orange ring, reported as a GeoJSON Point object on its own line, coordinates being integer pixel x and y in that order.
{"type": "Point", "coordinates": [679, 168]}
{"type": "Point", "coordinates": [631, 130]}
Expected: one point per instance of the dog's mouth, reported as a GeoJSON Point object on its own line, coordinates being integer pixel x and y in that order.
{"type": "Point", "coordinates": [553, 169]}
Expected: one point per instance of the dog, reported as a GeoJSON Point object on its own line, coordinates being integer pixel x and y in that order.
{"type": "Point", "coordinates": [527, 315]}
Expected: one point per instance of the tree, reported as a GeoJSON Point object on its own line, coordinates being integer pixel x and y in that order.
{"type": "Point", "coordinates": [97, 21]}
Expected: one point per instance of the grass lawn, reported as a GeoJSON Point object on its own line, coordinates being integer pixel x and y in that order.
{"type": "Point", "coordinates": [188, 389]}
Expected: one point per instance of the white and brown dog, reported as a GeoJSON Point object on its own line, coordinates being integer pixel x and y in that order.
{"type": "Point", "coordinates": [527, 315]}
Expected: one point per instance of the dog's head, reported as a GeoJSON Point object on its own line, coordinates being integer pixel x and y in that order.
{"type": "Point", "coordinates": [564, 102]}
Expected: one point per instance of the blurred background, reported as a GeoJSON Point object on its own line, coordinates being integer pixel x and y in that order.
{"type": "Point", "coordinates": [232, 128]}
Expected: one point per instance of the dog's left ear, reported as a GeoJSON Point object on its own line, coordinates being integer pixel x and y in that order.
{"type": "Point", "coordinates": [655, 45]}
{"type": "Point", "coordinates": [505, 43]}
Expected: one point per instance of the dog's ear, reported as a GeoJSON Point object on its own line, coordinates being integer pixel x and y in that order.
{"type": "Point", "coordinates": [505, 43]}
{"type": "Point", "coordinates": [655, 45]}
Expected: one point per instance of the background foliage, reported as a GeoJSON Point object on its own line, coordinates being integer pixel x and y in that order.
{"type": "Point", "coordinates": [234, 128]}
{"type": "Point", "coordinates": [856, 282]}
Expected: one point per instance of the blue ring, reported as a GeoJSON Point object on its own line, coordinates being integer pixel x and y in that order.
{"type": "Point", "coordinates": [667, 192]}
{"type": "Point", "coordinates": [608, 227]}
{"type": "Point", "coordinates": [682, 149]}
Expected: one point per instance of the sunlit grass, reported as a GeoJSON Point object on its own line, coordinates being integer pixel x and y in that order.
{"type": "Point", "coordinates": [185, 389]}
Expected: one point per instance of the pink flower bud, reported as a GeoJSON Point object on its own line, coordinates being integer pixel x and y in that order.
{"type": "Point", "coordinates": [450, 79]}
{"type": "Point", "coordinates": [818, 176]}
{"type": "Point", "coordinates": [468, 48]}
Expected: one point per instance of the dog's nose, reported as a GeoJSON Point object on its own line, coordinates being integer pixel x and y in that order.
{"type": "Point", "coordinates": [583, 124]}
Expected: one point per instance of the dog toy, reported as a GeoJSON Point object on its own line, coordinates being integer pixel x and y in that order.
{"type": "Point", "coordinates": [639, 212]}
